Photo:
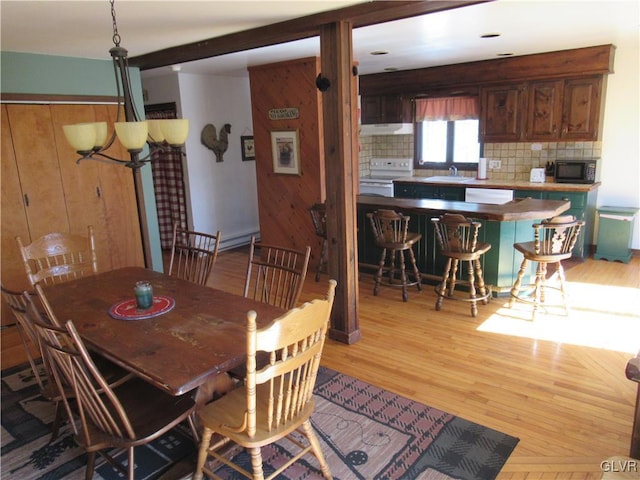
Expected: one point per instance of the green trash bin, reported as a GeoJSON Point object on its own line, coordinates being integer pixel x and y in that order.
{"type": "Point", "coordinates": [615, 227]}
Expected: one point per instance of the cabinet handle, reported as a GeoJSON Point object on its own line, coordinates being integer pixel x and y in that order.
{"type": "Point", "coordinates": [98, 192]}
{"type": "Point", "coordinates": [26, 200]}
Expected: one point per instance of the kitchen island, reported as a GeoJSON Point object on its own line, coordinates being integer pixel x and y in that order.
{"type": "Point", "coordinates": [502, 226]}
{"type": "Point", "coordinates": [582, 196]}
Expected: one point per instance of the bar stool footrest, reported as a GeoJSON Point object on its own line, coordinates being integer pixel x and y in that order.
{"type": "Point", "coordinates": [459, 297]}
{"type": "Point", "coordinates": [526, 295]}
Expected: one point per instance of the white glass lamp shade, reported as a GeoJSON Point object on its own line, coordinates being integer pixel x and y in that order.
{"type": "Point", "coordinates": [132, 135]}
{"type": "Point", "coordinates": [81, 136]}
{"type": "Point", "coordinates": [175, 130]}
{"type": "Point", "coordinates": [155, 131]}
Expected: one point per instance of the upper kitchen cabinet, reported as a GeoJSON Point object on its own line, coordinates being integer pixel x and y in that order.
{"type": "Point", "coordinates": [385, 109]}
{"type": "Point", "coordinates": [553, 110]}
{"type": "Point", "coordinates": [552, 96]}
{"type": "Point", "coordinates": [582, 106]}
{"type": "Point", "coordinates": [502, 113]}
{"type": "Point", "coordinates": [544, 111]}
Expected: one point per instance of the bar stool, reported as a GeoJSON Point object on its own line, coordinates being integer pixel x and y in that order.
{"type": "Point", "coordinates": [319, 218]}
{"type": "Point", "coordinates": [553, 242]}
{"type": "Point", "coordinates": [458, 241]}
{"type": "Point", "coordinates": [390, 230]}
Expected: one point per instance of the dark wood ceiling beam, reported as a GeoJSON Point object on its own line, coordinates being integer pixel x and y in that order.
{"type": "Point", "coordinates": [360, 15]}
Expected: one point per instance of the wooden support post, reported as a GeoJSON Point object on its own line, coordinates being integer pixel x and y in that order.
{"type": "Point", "coordinates": [339, 107]}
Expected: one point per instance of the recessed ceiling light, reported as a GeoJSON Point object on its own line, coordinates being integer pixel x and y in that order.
{"type": "Point", "coordinates": [379, 52]}
{"type": "Point", "coordinates": [490, 35]}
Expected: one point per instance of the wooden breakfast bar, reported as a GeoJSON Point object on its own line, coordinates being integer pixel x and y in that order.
{"type": "Point", "coordinates": [502, 226]}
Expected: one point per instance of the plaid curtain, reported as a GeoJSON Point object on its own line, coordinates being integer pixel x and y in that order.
{"type": "Point", "coordinates": [168, 182]}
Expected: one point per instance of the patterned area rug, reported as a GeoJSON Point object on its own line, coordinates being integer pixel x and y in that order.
{"type": "Point", "coordinates": [366, 433]}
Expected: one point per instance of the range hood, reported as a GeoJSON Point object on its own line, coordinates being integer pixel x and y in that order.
{"type": "Point", "coordinates": [386, 129]}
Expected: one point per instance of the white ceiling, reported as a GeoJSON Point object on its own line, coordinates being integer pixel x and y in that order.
{"type": "Point", "coordinates": [84, 29]}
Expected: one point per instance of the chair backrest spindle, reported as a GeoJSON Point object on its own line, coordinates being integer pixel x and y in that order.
{"type": "Point", "coordinates": [294, 344]}
{"type": "Point", "coordinates": [275, 275]}
{"type": "Point", "coordinates": [193, 254]}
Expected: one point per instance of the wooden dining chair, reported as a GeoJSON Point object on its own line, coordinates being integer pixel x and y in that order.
{"type": "Point", "coordinates": [58, 257]}
{"type": "Point", "coordinates": [104, 417]}
{"type": "Point", "coordinates": [553, 242]}
{"type": "Point", "coordinates": [275, 275]}
{"type": "Point", "coordinates": [19, 304]}
{"type": "Point", "coordinates": [193, 254]}
{"type": "Point", "coordinates": [277, 399]}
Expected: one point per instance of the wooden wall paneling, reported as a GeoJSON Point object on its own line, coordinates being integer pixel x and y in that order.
{"type": "Point", "coordinates": [284, 200]}
{"type": "Point", "coordinates": [81, 182]}
{"type": "Point", "coordinates": [34, 145]}
{"type": "Point", "coordinates": [120, 205]}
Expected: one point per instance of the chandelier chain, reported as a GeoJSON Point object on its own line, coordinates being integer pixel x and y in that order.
{"type": "Point", "coordinates": [116, 35]}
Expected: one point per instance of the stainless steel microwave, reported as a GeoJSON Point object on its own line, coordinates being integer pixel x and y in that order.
{"type": "Point", "coordinates": [576, 171]}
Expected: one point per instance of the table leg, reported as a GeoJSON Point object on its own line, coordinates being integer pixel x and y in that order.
{"type": "Point", "coordinates": [213, 388]}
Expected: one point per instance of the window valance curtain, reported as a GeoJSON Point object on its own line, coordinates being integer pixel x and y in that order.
{"type": "Point", "coordinates": [447, 108]}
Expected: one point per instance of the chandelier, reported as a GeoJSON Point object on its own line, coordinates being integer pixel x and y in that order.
{"type": "Point", "coordinates": [90, 139]}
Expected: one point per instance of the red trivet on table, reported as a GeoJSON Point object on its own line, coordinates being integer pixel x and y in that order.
{"type": "Point", "coordinates": [127, 310]}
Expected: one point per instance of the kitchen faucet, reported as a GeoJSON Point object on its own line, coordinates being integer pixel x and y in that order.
{"type": "Point", "coordinates": [453, 171]}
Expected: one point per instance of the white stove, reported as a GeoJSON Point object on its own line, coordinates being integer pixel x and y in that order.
{"type": "Point", "coordinates": [383, 172]}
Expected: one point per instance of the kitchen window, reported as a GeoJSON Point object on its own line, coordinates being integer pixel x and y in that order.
{"type": "Point", "coordinates": [447, 132]}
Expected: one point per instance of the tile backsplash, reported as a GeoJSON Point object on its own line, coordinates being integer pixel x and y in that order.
{"type": "Point", "coordinates": [517, 159]}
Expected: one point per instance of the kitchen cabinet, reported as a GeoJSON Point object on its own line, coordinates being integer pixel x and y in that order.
{"type": "Point", "coordinates": [555, 110]}
{"type": "Point", "coordinates": [44, 190]}
{"type": "Point", "coordinates": [544, 110]}
{"type": "Point", "coordinates": [582, 207]}
{"type": "Point", "coordinates": [501, 112]}
{"type": "Point", "coordinates": [408, 190]}
{"type": "Point", "coordinates": [385, 109]}
{"type": "Point", "coordinates": [581, 108]}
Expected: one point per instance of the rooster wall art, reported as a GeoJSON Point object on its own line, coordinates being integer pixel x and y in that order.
{"type": "Point", "coordinates": [209, 139]}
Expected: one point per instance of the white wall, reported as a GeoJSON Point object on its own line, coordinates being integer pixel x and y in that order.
{"type": "Point", "coordinates": [621, 136]}
{"type": "Point", "coordinates": [220, 196]}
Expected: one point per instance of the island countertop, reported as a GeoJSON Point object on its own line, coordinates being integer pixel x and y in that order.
{"type": "Point", "coordinates": [518, 209]}
{"type": "Point", "coordinates": [504, 184]}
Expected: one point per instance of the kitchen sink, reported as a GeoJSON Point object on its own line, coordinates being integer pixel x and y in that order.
{"type": "Point", "coordinates": [449, 179]}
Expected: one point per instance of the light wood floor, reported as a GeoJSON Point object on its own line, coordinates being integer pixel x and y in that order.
{"type": "Point", "coordinates": [570, 404]}
{"type": "Point", "coordinates": [557, 384]}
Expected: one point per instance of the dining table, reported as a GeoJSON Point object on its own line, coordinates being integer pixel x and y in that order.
{"type": "Point", "coordinates": [195, 335]}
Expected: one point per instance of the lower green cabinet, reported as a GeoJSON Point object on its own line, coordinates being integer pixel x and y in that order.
{"type": "Point", "coordinates": [500, 264]}
{"type": "Point", "coordinates": [416, 190]}
{"type": "Point", "coordinates": [615, 229]}
{"type": "Point", "coordinates": [583, 207]}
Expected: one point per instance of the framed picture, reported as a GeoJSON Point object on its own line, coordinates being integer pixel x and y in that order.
{"type": "Point", "coordinates": [248, 148]}
{"type": "Point", "coordinates": [285, 151]}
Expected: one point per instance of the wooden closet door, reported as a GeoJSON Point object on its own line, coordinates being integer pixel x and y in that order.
{"type": "Point", "coordinates": [13, 218]}
{"type": "Point", "coordinates": [81, 182]}
{"type": "Point", "coordinates": [120, 205]}
{"type": "Point", "coordinates": [34, 145]}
